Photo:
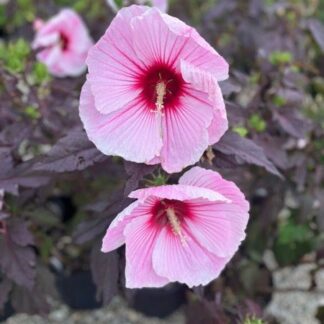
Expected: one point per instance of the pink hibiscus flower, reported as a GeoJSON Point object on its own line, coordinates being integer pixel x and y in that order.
{"type": "Point", "coordinates": [185, 233]}
{"type": "Point", "coordinates": [161, 4]}
{"type": "Point", "coordinates": [152, 93]}
{"type": "Point", "coordinates": [62, 43]}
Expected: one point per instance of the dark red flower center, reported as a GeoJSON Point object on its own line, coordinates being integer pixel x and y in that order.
{"type": "Point", "coordinates": [171, 213]}
{"type": "Point", "coordinates": [161, 87]}
{"type": "Point", "coordinates": [64, 41]}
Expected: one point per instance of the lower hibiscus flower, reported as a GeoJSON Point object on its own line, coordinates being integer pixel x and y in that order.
{"type": "Point", "coordinates": [186, 232]}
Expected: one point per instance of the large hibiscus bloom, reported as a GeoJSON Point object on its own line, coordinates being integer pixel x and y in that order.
{"type": "Point", "coordinates": [62, 43]}
{"type": "Point", "coordinates": [152, 93]}
{"type": "Point", "coordinates": [185, 233]}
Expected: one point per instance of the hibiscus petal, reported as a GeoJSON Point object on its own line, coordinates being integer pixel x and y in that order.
{"type": "Point", "coordinates": [212, 180]}
{"type": "Point", "coordinates": [113, 65]}
{"type": "Point", "coordinates": [76, 32]}
{"type": "Point", "coordinates": [73, 62]}
{"type": "Point", "coordinates": [45, 40]}
{"type": "Point", "coordinates": [207, 82]}
{"type": "Point", "coordinates": [186, 263]}
{"type": "Point", "coordinates": [114, 237]}
{"type": "Point", "coordinates": [141, 237]}
{"type": "Point", "coordinates": [185, 133]}
{"type": "Point", "coordinates": [124, 133]}
{"type": "Point", "coordinates": [178, 192]}
{"type": "Point", "coordinates": [213, 228]}
{"type": "Point", "coordinates": [154, 41]}
{"type": "Point", "coordinates": [69, 60]}
{"type": "Point", "coordinates": [236, 211]}
{"type": "Point", "coordinates": [162, 38]}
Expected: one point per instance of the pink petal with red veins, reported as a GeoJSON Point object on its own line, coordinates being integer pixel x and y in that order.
{"type": "Point", "coordinates": [236, 212]}
{"type": "Point", "coordinates": [141, 236]}
{"type": "Point", "coordinates": [154, 41]}
{"type": "Point", "coordinates": [113, 65]}
{"type": "Point", "coordinates": [213, 228]}
{"type": "Point", "coordinates": [178, 192]}
{"type": "Point", "coordinates": [114, 237]}
{"type": "Point", "coordinates": [197, 51]}
{"type": "Point", "coordinates": [187, 263]}
{"type": "Point", "coordinates": [167, 39]}
{"type": "Point", "coordinates": [207, 83]}
{"type": "Point", "coordinates": [124, 133]}
{"type": "Point", "coordinates": [185, 132]}
{"type": "Point", "coordinates": [212, 180]}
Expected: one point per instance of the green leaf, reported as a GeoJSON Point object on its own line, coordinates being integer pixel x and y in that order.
{"type": "Point", "coordinates": [21, 48]}
{"type": "Point", "coordinates": [293, 241]}
{"type": "Point", "coordinates": [32, 112]}
{"type": "Point", "coordinates": [15, 55]}
{"type": "Point", "coordinates": [280, 57]}
{"type": "Point", "coordinates": [279, 100]}
{"type": "Point", "coordinates": [241, 130]}
{"type": "Point", "coordinates": [40, 73]}
{"type": "Point", "coordinates": [257, 123]}
{"type": "Point", "coordinates": [253, 320]}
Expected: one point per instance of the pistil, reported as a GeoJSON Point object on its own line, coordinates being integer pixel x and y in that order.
{"type": "Point", "coordinates": [161, 91]}
{"type": "Point", "coordinates": [175, 224]}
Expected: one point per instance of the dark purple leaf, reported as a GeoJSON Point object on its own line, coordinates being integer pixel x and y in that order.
{"type": "Point", "coordinates": [207, 312]}
{"type": "Point", "coordinates": [91, 229]}
{"type": "Point", "coordinates": [20, 234]}
{"type": "Point", "coordinates": [222, 161]}
{"type": "Point", "coordinates": [14, 134]}
{"type": "Point", "coordinates": [236, 114]}
{"type": "Point", "coordinates": [220, 9]}
{"type": "Point", "coordinates": [17, 257]}
{"type": "Point", "coordinates": [11, 176]}
{"type": "Point", "coordinates": [73, 152]}
{"type": "Point", "coordinates": [300, 176]}
{"type": "Point", "coordinates": [5, 289]}
{"type": "Point", "coordinates": [292, 97]}
{"type": "Point", "coordinates": [35, 300]}
{"type": "Point", "coordinates": [136, 172]}
{"type": "Point", "coordinates": [292, 123]}
{"type": "Point", "coordinates": [273, 148]}
{"type": "Point", "coordinates": [30, 301]}
{"type": "Point", "coordinates": [244, 149]}
{"type": "Point", "coordinates": [317, 30]}
{"type": "Point", "coordinates": [105, 273]}
{"type": "Point", "coordinates": [229, 86]}
{"type": "Point", "coordinates": [94, 227]}
{"type": "Point", "coordinates": [256, 8]}
{"type": "Point", "coordinates": [6, 161]}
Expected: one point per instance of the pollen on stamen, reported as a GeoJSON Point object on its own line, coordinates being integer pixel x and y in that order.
{"type": "Point", "coordinates": [161, 91]}
{"type": "Point", "coordinates": [175, 224]}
